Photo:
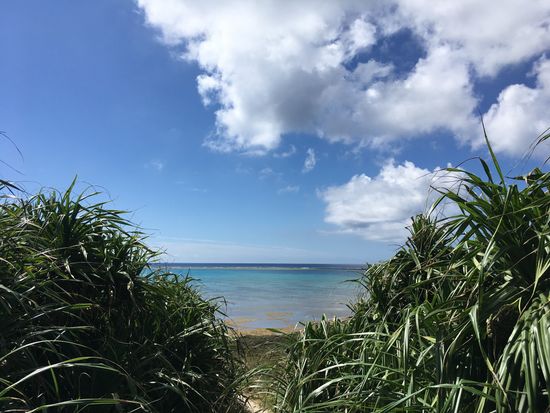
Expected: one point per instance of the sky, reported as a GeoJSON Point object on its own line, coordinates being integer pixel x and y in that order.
{"type": "Point", "coordinates": [269, 131]}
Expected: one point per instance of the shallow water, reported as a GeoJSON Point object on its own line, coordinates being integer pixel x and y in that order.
{"type": "Point", "coordinates": [276, 296]}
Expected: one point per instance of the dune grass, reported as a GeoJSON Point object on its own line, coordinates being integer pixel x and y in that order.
{"type": "Point", "coordinates": [87, 325]}
{"type": "Point", "coordinates": [457, 321]}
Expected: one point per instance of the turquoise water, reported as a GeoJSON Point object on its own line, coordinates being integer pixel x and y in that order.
{"type": "Point", "coordinates": [276, 296]}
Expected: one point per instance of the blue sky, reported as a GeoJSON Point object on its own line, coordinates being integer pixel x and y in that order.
{"type": "Point", "coordinates": [266, 131]}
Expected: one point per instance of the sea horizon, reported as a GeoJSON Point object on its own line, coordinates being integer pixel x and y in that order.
{"type": "Point", "coordinates": [273, 295]}
{"type": "Point", "coordinates": [263, 265]}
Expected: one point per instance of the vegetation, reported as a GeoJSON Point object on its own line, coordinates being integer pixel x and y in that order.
{"type": "Point", "coordinates": [457, 321]}
{"type": "Point", "coordinates": [87, 325]}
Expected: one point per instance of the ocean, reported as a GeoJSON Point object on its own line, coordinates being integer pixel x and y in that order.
{"type": "Point", "coordinates": [275, 295]}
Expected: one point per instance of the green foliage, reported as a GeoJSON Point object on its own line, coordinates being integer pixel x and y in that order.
{"type": "Point", "coordinates": [87, 325]}
{"type": "Point", "coordinates": [457, 321]}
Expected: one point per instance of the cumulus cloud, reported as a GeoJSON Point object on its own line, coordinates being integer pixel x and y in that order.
{"type": "Point", "coordinates": [310, 161]}
{"type": "Point", "coordinates": [379, 208]}
{"type": "Point", "coordinates": [270, 68]}
{"type": "Point", "coordinates": [436, 94]}
{"type": "Point", "coordinates": [521, 114]}
{"type": "Point", "coordinates": [487, 34]}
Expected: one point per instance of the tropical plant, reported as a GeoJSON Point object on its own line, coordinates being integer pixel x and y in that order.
{"type": "Point", "coordinates": [87, 325]}
{"type": "Point", "coordinates": [457, 321]}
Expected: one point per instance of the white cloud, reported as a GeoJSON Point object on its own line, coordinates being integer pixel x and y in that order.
{"type": "Point", "coordinates": [520, 115]}
{"type": "Point", "coordinates": [289, 189]}
{"type": "Point", "coordinates": [155, 164]}
{"type": "Point", "coordinates": [489, 34]}
{"type": "Point", "coordinates": [310, 161]}
{"type": "Point", "coordinates": [285, 154]}
{"type": "Point", "coordinates": [436, 94]}
{"type": "Point", "coordinates": [268, 172]}
{"type": "Point", "coordinates": [379, 208]}
{"type": "Point", "coordinates": [271, 68]}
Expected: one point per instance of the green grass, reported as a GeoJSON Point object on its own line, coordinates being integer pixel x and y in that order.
{"type": "Point", "coordinates": [457, 321]}
{"type": "Point", "coordinates": [87, 325]}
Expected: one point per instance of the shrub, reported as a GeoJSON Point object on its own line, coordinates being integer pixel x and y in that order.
{"type": "Point", "coordinates": [457, 321]}
{"type": "Point", "coordinates": [87, 324]}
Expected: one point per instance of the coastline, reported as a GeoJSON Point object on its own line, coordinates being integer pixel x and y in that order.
{"type": "Point", "coordinates": [239, 324]}
{"type": "Point", "coordinates": [263, 332]}
{"type": "Point", "coordinates": [260, 297]}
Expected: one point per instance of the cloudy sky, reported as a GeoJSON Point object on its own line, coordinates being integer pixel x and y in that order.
{"type": "Point", "coordinates": [269, 131]}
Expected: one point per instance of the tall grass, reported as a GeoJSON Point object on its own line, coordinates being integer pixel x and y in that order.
{"type": "Point", "coordinates": [457, 321]}
{"type": "Point", "coordinates": [87, 325]}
